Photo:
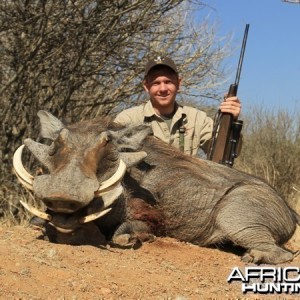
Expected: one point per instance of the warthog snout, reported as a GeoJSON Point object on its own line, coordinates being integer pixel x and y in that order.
{"type": "Point", "coordinates": [62, 203]}
{"type": "Point", "coordinates": [59, 195]}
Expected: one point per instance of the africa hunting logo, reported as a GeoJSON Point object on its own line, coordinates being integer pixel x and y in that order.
{"type": "Point", "coordinates": [267, 280]}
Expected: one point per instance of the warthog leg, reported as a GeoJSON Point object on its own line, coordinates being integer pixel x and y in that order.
{"type": "Point", "coordinates": [260, 244]}
{"type": "Point", "coordinates": [132, 234]}
{"type": "Point", "coordinates": [250, 217]}
{"type": "Point", "coordinates": [143, 223]}
{"type": "Point", "coordinates": [275, 255]}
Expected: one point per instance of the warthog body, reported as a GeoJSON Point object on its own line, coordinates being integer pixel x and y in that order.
{"type": "Point", "coordinates": [166, 191]}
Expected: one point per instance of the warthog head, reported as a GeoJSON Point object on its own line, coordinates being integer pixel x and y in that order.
{"type": "Point", "coordinates": [85, 164]}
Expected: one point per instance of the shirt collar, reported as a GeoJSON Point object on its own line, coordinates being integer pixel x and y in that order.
{"type": "Point", "coordinates": [149, 111]}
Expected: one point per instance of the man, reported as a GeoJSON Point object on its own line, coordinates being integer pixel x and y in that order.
{"type": "Point", "coordinates": [183, 127]}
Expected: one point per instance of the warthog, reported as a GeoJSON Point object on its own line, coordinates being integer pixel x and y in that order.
{"type": "Point", "coordinates": [163, 191]}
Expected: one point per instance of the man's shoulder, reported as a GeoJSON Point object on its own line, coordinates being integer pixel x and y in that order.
{"type": "Point", "coordinates": [133, 114]}
{"type": "Point", "coordinates": [133, 109]}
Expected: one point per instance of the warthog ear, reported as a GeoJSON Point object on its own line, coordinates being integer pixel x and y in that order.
{"type": "Point", "coordinates": [130, 137]}
{"type": "Point", "coordinates": [50, 125]}
{"type": "Point", "coordinates": [40, 151]}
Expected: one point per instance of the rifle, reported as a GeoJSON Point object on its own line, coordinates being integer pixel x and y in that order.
{"type": "Point", "coordinates": [226, 131]}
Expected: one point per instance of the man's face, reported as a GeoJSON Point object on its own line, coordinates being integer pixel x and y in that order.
{"type": "Point", "coordinates": [162, 84]}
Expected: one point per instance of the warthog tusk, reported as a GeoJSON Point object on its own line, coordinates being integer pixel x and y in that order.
{"type": "Point", "coordinates": [23, 176]}
{"type": "Point", "coordinates": [62, 230]}
{"type": "Point", "coordinates": [23, 182]}
{"type": "Point", "coordinates": [110, 195]}
{"type": "Point", "coordinates": [118, 176]}
{"type": "Point", "coordinates": [94, 216]}
{"type": "Point", "coordinates": [36, 212]}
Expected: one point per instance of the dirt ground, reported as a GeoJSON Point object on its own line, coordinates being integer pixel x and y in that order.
{"type": "Point", "coordinates": [32, 268]}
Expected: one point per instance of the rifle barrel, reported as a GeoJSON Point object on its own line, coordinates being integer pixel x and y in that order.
{"type": "Point", "coordinates": [239, 69]}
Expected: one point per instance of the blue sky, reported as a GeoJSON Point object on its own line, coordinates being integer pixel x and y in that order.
{"type": "Point", "coordinates": [271, 70]}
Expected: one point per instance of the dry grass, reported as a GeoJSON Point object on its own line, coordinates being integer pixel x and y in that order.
{"type": "Point", "coordinates": [11, 211]}
{"type": "Point", "coordinates": [271, 150]}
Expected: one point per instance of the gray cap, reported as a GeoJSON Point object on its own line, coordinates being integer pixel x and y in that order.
{"type": "Point", "coordinates": [160, 60]}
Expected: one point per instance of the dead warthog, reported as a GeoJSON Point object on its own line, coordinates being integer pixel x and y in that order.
{"type": "Point", "coordinates": [163, 191]}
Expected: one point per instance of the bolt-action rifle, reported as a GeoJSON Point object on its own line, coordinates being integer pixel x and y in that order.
{"type": "Point", "coordinates": [226, 132]}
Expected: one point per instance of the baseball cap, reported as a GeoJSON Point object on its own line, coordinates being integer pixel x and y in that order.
{"type": "Point", "coordinates": [160, 60]}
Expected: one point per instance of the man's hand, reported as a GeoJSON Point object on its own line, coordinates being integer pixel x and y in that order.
{"type": "Point", "coordinates": [231, 105]}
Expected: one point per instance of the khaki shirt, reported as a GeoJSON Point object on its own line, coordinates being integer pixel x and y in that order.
{"type": "Point", "coordinates": [198, 126]}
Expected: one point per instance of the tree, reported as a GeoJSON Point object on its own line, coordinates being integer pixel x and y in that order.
{"type": "Point", "coordinates": [81, 59]}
